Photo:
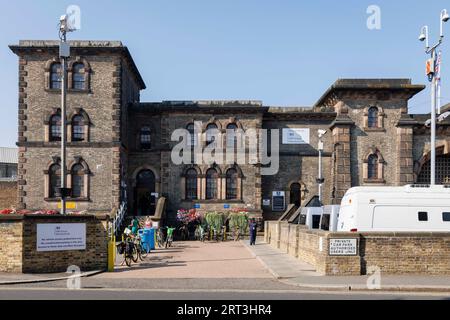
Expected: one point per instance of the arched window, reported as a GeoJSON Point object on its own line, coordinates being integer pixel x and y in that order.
{"type": "Point", "coordinates": [55, 76]}
{"type": "Point", "coordinates": [442, 171]}
{"type": "Point", "coordinates": [77, 181]}
{"type": "Point", "coordinates": [211, 184]}
{"type": "Point", "coordinates": [372, 117]}
{"type": "Point", "coordinates": [191, 184]}
{"type": "Point", "coordinates": [372, 167]}
{"type": "Point", "coordinates": [55, 181]}
{"type": "Point", "coordinates": [232, 136]}
{"type": "Point", "coordinates": [210, 131]}
{"type": "Point", "coordinates": [78, 133]}
{"type": "Point", "coordinates": [55, 128]}
{"type": "Point", "coordinates": [78, 79]}
{"type": "Point", "coordinates": [232, 184]}
{"type": "Point", "coordinates": [193, 139]}
{"type": "Point", "coordinates": [145, 138]}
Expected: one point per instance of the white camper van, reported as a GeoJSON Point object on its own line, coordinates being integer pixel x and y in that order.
{"type": "Point", "coordinates": [329, 219]}
{"type": "Point", "coordinates": [409, 208]}
{"type": "Point", "coordinates": [310, 217]}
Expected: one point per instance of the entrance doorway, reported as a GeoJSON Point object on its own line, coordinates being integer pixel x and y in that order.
{"type": "Point", "coordinates": [295, 194]}
{"type": "Point", "coordinates": [144, 198]}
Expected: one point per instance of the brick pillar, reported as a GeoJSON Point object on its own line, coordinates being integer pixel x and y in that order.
{"type": "Point", "coordinates": [405, 162]}
{"type": "Point", "coordinates": [341, 130]}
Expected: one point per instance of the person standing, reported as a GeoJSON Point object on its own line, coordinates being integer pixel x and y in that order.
{"type": "Point", "coordinates": [253, 226]}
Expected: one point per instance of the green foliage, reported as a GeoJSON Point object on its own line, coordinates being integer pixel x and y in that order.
{"type": "Point", "coordinates": [215, 220]}
{"type": "Point", "coordinates": [238, 220]}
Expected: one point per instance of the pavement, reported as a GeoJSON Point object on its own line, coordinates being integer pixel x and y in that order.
{"type": "Point", "coordinates": [295, 272]}
{"type": "Point", "coordinates": [222, 269]}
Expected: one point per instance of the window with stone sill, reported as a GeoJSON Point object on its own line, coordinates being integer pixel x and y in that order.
{"type": "Point", "coordinates": [373, 119]}
{"type": "Point", "coordinates": [373, 167]}
{"type": "Point", "coordinates": [55, 127]}
{"type": "Point", "coordinates": [145, 138]}
{"type": "Point", "coordinates": [56, 76]}
{"type": "Point", "coordinates": [78, 77]}
{"type": "Point", "coordinates": [211, 184]}
{"type": "Point", "coordinates": [232, 184]}
{"type": "Point", "coordinates": [77, 180]}
{"type": "Point", "coordinates": [78, 133]}
{"type": "Point", "coordinates": [191, 185]}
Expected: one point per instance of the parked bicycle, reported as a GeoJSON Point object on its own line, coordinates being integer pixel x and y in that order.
{"type": "Point", "coordinates": [169, 238]}
{"type": "Point", "coordinates": [200, 233]}
{"type": "Point", "coordinates": [141, 252]}
{"type": "Point", "coordinates": [129, 251]}
{"type": "Point", "coordinates": [160, 239]}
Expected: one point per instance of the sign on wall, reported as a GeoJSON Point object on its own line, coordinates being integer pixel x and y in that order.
{"type": "Point", "coordinates": [278, 201]}
{"type": "Point", "coordinates": [60, 236]}
{"type": "Point", "coordinates": [296, 135]}
{"type": "Point", "coordinates": [343, 247]}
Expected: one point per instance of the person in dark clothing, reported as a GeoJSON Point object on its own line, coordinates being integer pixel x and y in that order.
{"type": "Point", "coordinates": [253, 232]}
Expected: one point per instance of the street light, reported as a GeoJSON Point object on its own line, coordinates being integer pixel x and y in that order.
{"type": "Point", "coordinates": [320, 180]}
{"type": "Point", "coordinates": [431, 69]}
{"type": "Point", "coordinates": [64, 54]}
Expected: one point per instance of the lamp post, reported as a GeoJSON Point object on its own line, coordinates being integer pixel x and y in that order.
{"type": "Point", "coordinates": [431, 68]}
{"type": "Point", "coordinates": [320, 180]}
{"type": "Point", "coordinates": [64, 54]}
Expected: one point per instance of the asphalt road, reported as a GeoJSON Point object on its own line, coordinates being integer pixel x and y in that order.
{"type": "Point", "coordinates": [39, 293]}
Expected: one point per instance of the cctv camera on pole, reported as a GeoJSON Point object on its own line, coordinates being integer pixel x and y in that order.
{"type": "Point", "coordinates": [64, 54]}
{"type": "Point", "coordinates": [431, 74]}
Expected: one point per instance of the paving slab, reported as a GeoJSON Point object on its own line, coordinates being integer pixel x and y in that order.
{"type": "Point", "coordinates": [194, 260]}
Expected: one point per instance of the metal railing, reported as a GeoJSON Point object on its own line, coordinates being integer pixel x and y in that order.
{"type": "Point", "coordinates": [118, 219]}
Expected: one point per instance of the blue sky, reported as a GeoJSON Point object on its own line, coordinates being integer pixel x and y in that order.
{"type": "Point", "coordinates": [286, 53]}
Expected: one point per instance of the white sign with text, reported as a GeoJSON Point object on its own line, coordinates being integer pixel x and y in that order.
{"type": "Point", "coordinates": [343, 247]}
{"type": "Point", "coordinates": [296, 136]}
{"type": "Point", "coordinates": [60, 236]}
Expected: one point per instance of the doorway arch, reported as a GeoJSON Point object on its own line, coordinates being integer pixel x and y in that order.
{"type": "Point", "coordinates": [144, 198]}
{"type": "Point", "coordinates": [295, 194]}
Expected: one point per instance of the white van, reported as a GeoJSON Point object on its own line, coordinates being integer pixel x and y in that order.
{"type": "Point", "coordinates": [409, 208]}
{"type": "Point", "coordinates": [310, 217]}
{"type": "Point", "coordinates": [329, 219]}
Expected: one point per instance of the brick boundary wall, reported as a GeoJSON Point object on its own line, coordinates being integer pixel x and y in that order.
{"type": "Point", "coordinates": [8, 194]}
{"type": "Point", "coordinates": [18, 253]}
{"type": "Point", "coordinates": [392, 252]}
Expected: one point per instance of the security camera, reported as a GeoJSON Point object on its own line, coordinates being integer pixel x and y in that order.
{"type": "Point", "coordinates": [321, 132]}
{"type": "Point", "coordinates": [444, 15]}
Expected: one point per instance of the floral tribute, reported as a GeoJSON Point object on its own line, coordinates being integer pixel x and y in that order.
{"type": "Point", "coordinates": [187, 217]}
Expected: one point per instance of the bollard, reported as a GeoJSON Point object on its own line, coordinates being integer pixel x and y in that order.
{"type": "Point", "coordinates": [111, 255]}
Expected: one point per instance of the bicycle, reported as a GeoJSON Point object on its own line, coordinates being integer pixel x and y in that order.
{"type": "Point", "coordinates": [128, 250]}
{"type": "Point", "coordinates": [141, 252]}
{"type": "Point", "coordinates": [184, 232]}
{"type": "Point", "coordinates": [160, 238]}
{"type": "Point", "coordinates": [169, 238]}
{"type": "Point", "coordinates": [200, 233]}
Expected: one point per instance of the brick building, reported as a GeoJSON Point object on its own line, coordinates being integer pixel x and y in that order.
{"type": "Point", "coordinates": [119, 148]}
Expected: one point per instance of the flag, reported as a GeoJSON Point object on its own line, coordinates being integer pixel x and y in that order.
{"type": "Point", "coordinates": [438, 81]}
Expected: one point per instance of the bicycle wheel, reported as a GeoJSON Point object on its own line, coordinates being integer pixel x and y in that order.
{"type": "Point", "coordinates": [128, 258]}
{"type": "Point", "coordinates": [144, 251]}
{"type": "Point", "coordinates": [135, 254]}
